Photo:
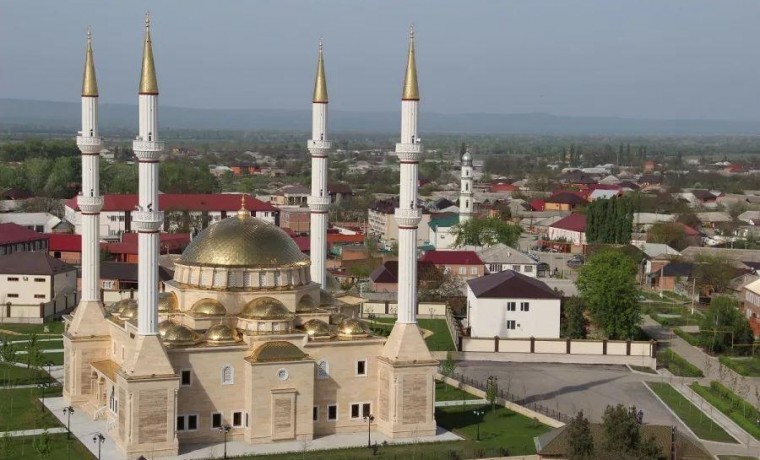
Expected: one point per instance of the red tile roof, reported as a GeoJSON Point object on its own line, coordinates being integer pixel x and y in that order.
{"type": "Point", "coordinates": [177, 201]}
{"type": "Point", "coordinates": [501, 187]}
{"type": "Point", "coordinates": [64, 242]}
{"type": "Point", "coordinates": [573, 222]}
{"type": "Point", "coordinates": [32, 263]}
{"type": "Point", "coordinates": [388, 272]}
{"type": "Point", "coordinates": [174, 242]}
{"type": "Point", "coordinates": [537, 204]}
{"type": "Point", "coordinates": [686, 229]}
{"type": "Point", "coordinates": [11, 233]}
{"type": "Point", "coordinates": [337, 238]}
{"type": "Point", "coordinates": [452, 258]}
{"type": "Point", "coordinates": [571, 197]}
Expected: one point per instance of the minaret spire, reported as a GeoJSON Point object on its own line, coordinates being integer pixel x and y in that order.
{"type": "Point", "coordinates": [411, 90]}
{"type": "Point", "coordinates": [466, 204]}
{"type": "Point", "coordinates": [320, 83]}
{"type": "Point", "coordinates": [89, 82]}
{"type": "Point", "coordinates": [148, 81]}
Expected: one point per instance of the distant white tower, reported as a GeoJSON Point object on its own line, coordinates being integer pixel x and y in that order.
{"type": "Point", "coordinates": [147, 219]}
{"type": "Point", "coordinates": [319, 201]}
{"type": "Point", "coordinates": [465, 193]}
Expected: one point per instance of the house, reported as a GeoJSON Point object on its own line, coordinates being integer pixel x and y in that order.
{"type": "Point", "coordinates": [296, 219]}
{"type": "Point", "coordinates": [751, 306]}
{"type": "Point", "coordinates": [66, 246]}
{"type": "Point", "coordinates": [713, 219]}
{"type": "Point", "coordinates": [121, 276]}
{"type": "Point", "coordinates": [339, 191]}
{"type": "Point", "coordinates": [750, 217]}
{"type": "Point", "coordinates": [564, 201]}
{"type": "Point", "coordinates": [667, 277]}
{"type": "Point", "coordinates": [500, 257]}
{"type": "Point", "coordinates": [30, 284]}
{"type": "Point", "coordinates": [40, 222]}
{"type": "Point", "coordinates": [12, 198]}
{"type": "Point", "coordinates": [126, 249]}
{"type": "Point", "coordinates": [382, 223]}
{"type": "Point", "coordinates": [16, 238]}
{"type": "Point", "coordinates": [464, 264]}
{"type": "Point", "coordinates": [646, 180]}
{"type": "Point", "coordinates": [576, 177]}
{"type": "Point", "coordinates": [691, 237]}
{"type": "Point", "coordinates": [385, 277]}
{"type": "Point", "coordinates": [501, 187]}
{"type": "Point", "coordinates": [511, 305]}
{"type": "Point", "coordinates": [442, 235]}
{"type": "Point", "coordinates": [291, 195]}
{"type": "Point", "coordinates": [570, 229]}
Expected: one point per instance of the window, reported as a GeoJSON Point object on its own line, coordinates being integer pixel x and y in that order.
{"type": "Point", "coordinates": [246, 419]}
{"type": "Point", "coordinates": [323, 370]}
{"type": "Point", "coordinates": [39, 280]}
{"type": "Point", "coordinates": [39, 296]}
{"type": "Point", "coordinates": [13, 278]}
{"type": "Point", "coordinates": [180, 423]}
{"type": "Point", "coordinates": [228, 375]}
{"type": "Point", "coordinates": [13, 296]}
{"type": "Point", "coordinates": [524, 306]}
{"type": "Point", "coordinates": [361, 410]}
{"type": "Point", "coordinates": [462, 270]}
{"type": "Point", "coordinates": [493, 268]}
{"type": "Point", "coordinates": [528, 269]}
{"type": "Point", "coordinates": [474, 271]}
{"type": "Point", "coordinates": [186, 379]}
{"type": "Point", "coordinates": [332, 412]}
{"type": "Point", "coordinates": [216, 420]}
{"type": "Point", "coordinates": [355, 410]}
{"type": "Point", "coordinates": [315, 413]}
{"type": "Point", "coordinates": [516, 268]}
{"type": "Point", "coordinates": [511, 306]}
{"type": "Point", "coordinates": [237, 419]}
{"type": "Point", "coordinates": [361, 367]}
{"type": "Point", "coordinates": [511, 324]}
{"type": "Point", "coordinates": [366, 409]}
{"type": "Point", "coordinates": [192, 422]}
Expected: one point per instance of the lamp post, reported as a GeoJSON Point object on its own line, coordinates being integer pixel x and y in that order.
{"type": "Point", "coordinates": [369, 419]}
{"type": "Point", "coordinates": [67, 411]}
{"type": "Point", "coordinates": [225, 429]}
{"type": "Point", "coordinates": [479, 414]}
{"type": "Point", "coordinates": [42, 387]}
{"type": "Point", "coordinates": [99, 439]}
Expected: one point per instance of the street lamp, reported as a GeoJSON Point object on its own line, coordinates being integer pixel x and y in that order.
{"type": "Point", "coordinates": [42, 387]}
{"type": "Point", "coordinates": [225, 429]}
{"type": "Point", "coordinates": [67, 411]}
{"type": "Point", "coordinates": [100, 439]}
{"type": "Point", "coordinates": [479, 414]}
{"type": "Point", "coordinates": [369, 419]}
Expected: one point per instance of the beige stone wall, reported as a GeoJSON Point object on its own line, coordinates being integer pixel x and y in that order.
{"type": "Point", "coordinates": [78, 354]}
{"type": "Point", "coordinates": [409, 390]}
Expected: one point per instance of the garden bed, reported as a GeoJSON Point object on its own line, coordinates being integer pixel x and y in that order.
{"type": "Point", "coordinates": [733, 406]}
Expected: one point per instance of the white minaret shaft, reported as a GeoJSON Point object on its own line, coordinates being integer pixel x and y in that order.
{"type": "Point", "coordinates": [408, 214]}
{"type": "Point", "coordinates": [147, 219]}
{"type": "Point", "coordinates": [466, 205]}
{"type": "Point", "coordinates": [319, 200]}
{"type": "Point", "coordinates": [90, 202]}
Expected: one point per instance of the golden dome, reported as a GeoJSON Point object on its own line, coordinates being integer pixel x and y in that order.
{"type": "Point", "coordinates": [178, 335]}
{"type": "Point", "coordinates": [167, 302]}
{"type": "Point", "coordinates": [221, 334]}
{"type": "Point", "coordinates": [128, 312]}
{"type": "Point", "coordinates": [318, 329]}
{"type": "Point", "coordinates": [164, 326]}
{"type": "Point", "coordinates": [120, 305]}
{"type": "Point", "coordinates": [337, 318]}
{"type": "Point", "coordinates": [208, 307]}
{"type": "Point", "coordinates": [351, 327]}
{"type": "Point", "coordinates": [243, 241]}
{"type": "Point", "coordinates": [277, 350]}
{"type": "Point", "coordinates": [305, 303]}
{"type": "Point", "coordinates": [265, 308]}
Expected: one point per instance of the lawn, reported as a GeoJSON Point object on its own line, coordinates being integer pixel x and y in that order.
{"type": "Point", "coordinates": [20, 409]}
{"type": "Point", "coordinates": [735, 457]}
{"type": "Point", "coordinates": [440, 340]}
{"type": "Point", "coordinates": [23, 448]}
{"type": "Point", "coordinates": [692, 416]}
{"type": "Point", "coordinates": [749, 367]}
{"type": "Point", "coordinates": [14, 375]}
{"type": "Point", "coordinates": [728, 402]}
{"type": "Point", "coordinates": [691, 338]}
{"type": "Point", "coordinates": [43, 344]}
{"type": "Point", "coordinates": [445, 392]}
{"type": "Point", "coordinates": [55, 327]}
{"type": "Point", "coordinates": [673, 362]}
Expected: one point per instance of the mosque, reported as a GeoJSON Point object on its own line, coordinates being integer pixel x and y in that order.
{"type": "Point", "coordinates": [244, 340]}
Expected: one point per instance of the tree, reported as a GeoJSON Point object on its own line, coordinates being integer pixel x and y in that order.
{"type": "Point", "coordinates": [723, 326]}
{"type": "Point", "coordinates": [574, 322]}
{"type": "Point", "coordinates": [609, 221]}
{"type": "Point", "coordinates": [42, 444]}
{"type": "Point", "coordinates": [447, 367]}
{"type": "Point", "coordinates": [42, 204]}
{"type": "Point", "coordinates": [621, 429]}
{"type": "Point", "coordinates": [607, 285]}
{"type": "Point", "coordinates": [581, 443]}
{"type": "Point", "coordinates": [437, 285]}
{"type": "Point", "coordinates": [492, 392]}
{"type": "Point", "coordinates": [486, 231]}
{"type": "Point", "coordinates": [668, 233]}
{"type": "Point", "coordinates": [8, 351]}
{"type": "Point", "coordinates": [713, 273]}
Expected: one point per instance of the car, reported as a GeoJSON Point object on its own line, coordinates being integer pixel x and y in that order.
{"type": "Point", "coordinates": [543, 267]}
{"type": "Point", "coordinates": [575, 261]}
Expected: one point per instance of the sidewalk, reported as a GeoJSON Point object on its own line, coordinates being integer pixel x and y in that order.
{"type": "Point", "coordinates": [464, 402]}
{"type": "Point", "coordinates": [35, 432]}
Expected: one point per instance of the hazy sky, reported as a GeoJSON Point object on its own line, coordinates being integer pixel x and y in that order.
{"type": "Point", "coordinates": [645, 59]}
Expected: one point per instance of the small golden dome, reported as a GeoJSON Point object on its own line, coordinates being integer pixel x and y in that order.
{"type": "Point", "coordinates": [129, 312]}
{"type": "Point", "coordinates": [208, 307]}
{"type": "Point", "coordinates": [164, 326]}
{"type": "Point", "coordinates": [120, 305]}
{"type": "Point", "coordinates": [167, 302]}
{"type": "Point", "coordinates": [351, 327]}
{"type": "Point", "coordinates": [337, 318]}
{"type": "Point", "coordinates": [277, 350]}
{"type": "Point", "coordinates": [305, 303]}
{"type": "Point", "coordinates": [265, 308]}
{"type": "Point", "coordinates": [318, 329]}
{"type": "Point", "coordinates": [178, 335]}
{"type": "Point", "coordinates": [221, 334]}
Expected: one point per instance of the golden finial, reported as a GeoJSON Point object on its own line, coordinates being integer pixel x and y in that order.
{"type": "Point", "coordinates": [243, 212]}
{"type": "Point", "coordinates": [89, 82]}
{"type": "Point", "coordinates": [320, 84]}
{"type": "Point", "coordinates": [148, 81]}
{"type": "Point", "coordinates": [411, 91]}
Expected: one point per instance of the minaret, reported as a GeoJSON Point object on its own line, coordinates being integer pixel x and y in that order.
{"type": "Point", "coordinates": [406, 369]}
{"type": "Point", "coordinates": [465, 194]}
{"type": "Point", "coordinates": [147, 220]}
{"type": "Point", "coordinates": [319, 201]}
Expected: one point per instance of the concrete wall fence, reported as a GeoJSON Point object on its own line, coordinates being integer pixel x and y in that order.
{"type": "Point", "coordinates": [36, 314]}
{"type": "Point", "coordinates": [424, 309]}
{"type": "Point", "coordinates": [570, 351]}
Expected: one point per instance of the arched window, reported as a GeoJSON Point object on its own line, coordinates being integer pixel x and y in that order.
{"type": "Point", "coordinates": [323, 370]}
{"type": "Point", "coordinates": [228, 375]}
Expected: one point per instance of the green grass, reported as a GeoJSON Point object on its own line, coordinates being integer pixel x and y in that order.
{"type": "Point", "coordinates": [20, 409]}
{"type": "Point", "coordinates": [735, 457]}
{"type": "Point", "coordinates": [54, 327]}
{"type": "Point", "coordinates": [43, 345]}
{"type": "Point", "coordinates": [733, 406]}
{"type": "Point", "coordinates": [692, 339]}
{"type": "Point", "coordinates": [749, 367]}
{"type": "Point", "coordinates": [446, 392]}
{"type": "Point", "coordinates": [673, 362]}
{"type": "Point", "coordinates": [14, 375]}
{"type": "Point", "coordinates": [22, 448]}
{"type": "Point", "coordinates": [695, 419]}
{"type": "Point", "coordinates": [440, 340]}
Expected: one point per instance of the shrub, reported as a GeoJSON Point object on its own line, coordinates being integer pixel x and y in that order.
{"type": "Point", "coordinates": [677, 365]}
{"type": "Point", "coordinates": [690, 338]}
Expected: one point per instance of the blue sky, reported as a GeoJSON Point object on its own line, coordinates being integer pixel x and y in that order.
{"type": "Point", "coordinates": [629, 58]}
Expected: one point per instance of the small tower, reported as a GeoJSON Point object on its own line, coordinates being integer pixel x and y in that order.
{"type": "Point", "coordinates": [406, 369]}
{"type": "Point", "coordinates": [319, 200]}
{"type": "Point", "coordinates": [465, 193]}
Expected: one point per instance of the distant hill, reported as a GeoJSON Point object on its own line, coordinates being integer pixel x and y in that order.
{"type": "Point", "coordinates": [66, 115]}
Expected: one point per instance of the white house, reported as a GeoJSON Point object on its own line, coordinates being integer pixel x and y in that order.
{"type": "Point", "coordinates": [511, 305]}
{"type": "Point", "coordinates": [442, 234]}
{"type": "Point", "coordinates": [40, 222]}
{"type": "Point", "coordinates": [571, 229]}
{"type": "Point", "coordinates": [500, 257]}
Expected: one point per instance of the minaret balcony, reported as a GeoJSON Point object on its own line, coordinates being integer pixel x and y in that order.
{"type": "Point", "coordinates": [408, 152]}
{"type": "Point", "coordinates": [407, 217]}
{"type": "Point", "coordinates": [90, 204]}
{"type": "Point", "coordinates": [318, 203]}
{"type": "Point", "coordinates": [89, 144]}
{"type": "Point", "coordinates": [147, 150]}
{"type": "Point", "coordinates": [147, 221]}
{"type": "Point", "coordinates": [317, 147]}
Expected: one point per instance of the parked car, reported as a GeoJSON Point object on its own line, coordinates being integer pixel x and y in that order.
{"type": "Point", "coordinates": [542, 268]}
{"type": "Point", "coordinates": [575, 261]}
